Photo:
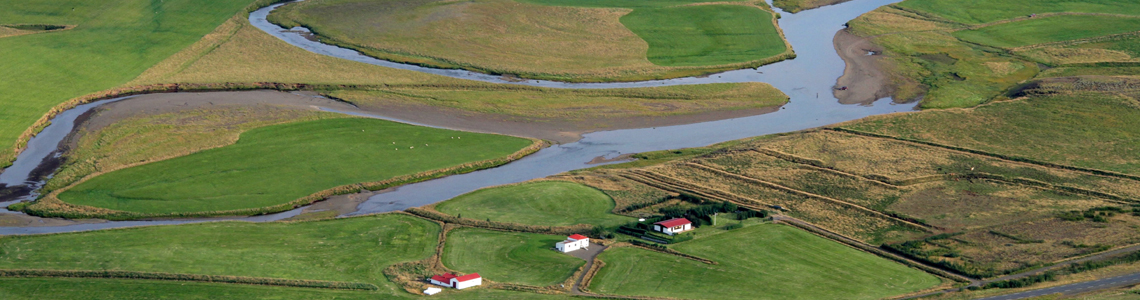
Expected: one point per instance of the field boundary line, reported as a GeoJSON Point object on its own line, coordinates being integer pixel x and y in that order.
{"type": "Point", "coordinates": [989, 154]}
{"type": "Point", "coordinates": [809, 195]}
{"type": "Point", "coordinates": [667, 251]}
{"type": "Point", "coordinates": [117, 274]}
{"type": "Point", "coordinates": [435, 215]}
{"type": "Point", "coordinates": [687, 187]}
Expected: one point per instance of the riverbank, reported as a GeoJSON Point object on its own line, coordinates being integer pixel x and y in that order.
{"type": "Point", "coordinates": [863, 79]}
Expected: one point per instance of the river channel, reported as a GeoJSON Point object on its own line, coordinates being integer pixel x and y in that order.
{"type": "Point", "coordinates": [808, 80]}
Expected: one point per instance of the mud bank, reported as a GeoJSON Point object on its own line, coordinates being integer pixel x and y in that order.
{"type": "Point", "coordinates": [863, 79]}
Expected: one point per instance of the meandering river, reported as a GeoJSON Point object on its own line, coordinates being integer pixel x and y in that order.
{"type": "Point", "coordinates": [808, 80]}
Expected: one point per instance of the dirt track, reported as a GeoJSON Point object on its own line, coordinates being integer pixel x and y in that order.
{"type": "Point", "coordinates": [862, 76]}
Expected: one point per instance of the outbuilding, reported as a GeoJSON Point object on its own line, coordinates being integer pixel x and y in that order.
{"type": "Point", "coordinates": [673, 226]}
{"type": "Point", "coordinates": [573, 242]}
{"type": "Point", "coordinates": [432, 291]}
{"type": "Point", "coordinates": [458, 282]}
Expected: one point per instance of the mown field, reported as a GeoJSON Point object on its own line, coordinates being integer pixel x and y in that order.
{"type": "Point", "coordinates": [113, 42]}
{"type": "Point", "coordinates": [281, 163]}
{"type": "Point", "coordinates": [523, 258]}
{"type": "Point", "coordinates": [544, 203]}
{"type": "Point", "coordinates": [965, 53]}
{"type": "Point", "coordinates": [778, 262]}
{"type": "Point", "coordinates": [559, 40]}
{"type": "Point", "coordinates": [350, 250]}
{"type": "Point", "coordinates": [115, 289]}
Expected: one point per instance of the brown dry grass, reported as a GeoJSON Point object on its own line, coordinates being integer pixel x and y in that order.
{"type": "Point", "coordinates": [1061, 55]}
{"type": "Point", "coordinates": [238, 52]}
{"type": "Point", "coordinates": [954, 206]}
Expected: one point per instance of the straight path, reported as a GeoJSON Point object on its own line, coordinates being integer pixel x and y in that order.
{"type": "Point", "coordinates": [1075, 288]}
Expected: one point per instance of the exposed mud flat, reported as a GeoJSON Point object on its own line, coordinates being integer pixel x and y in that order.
{"type": "Point", "coordinates": [863, 79]}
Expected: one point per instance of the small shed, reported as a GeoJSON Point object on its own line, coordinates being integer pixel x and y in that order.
{"type": "Point", "coordinates": [467, 281]}
{"type": "Point", "coordinates": [573, 242]}
{"type": "Point", "coordinates": [673, 226]}
{"type": "Point", "coordinates": [432, 291]}
{"type": "Point", "coordinates": [442, 280]}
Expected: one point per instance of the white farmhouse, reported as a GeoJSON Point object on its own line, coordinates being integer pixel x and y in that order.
{"type": "Point", "coordinates": [458, 282]}
{"type": "Point", "coordinates": [673, 226]}
{"type": "Point", "coordinates": [573, 242]}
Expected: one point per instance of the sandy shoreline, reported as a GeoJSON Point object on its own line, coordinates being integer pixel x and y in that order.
{"type": "Point", "coordinates": [863, 78]}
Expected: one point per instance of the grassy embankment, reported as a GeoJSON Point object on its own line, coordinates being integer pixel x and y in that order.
{"type": "Point", "coordinates": [522, 258]}
{"type": "Point", "coordinates": [548, 203]}
{"type": "Point", "coordinates": [112, 42]}
{"type": "Point", "coordinates": [794, 6]}
{"type": "Point", "coordinates": [1005, 187]}
{"type": "Point", "coordinates": [593, 40]}
{"type": "Point", "coordinates": [963, 53]}
{"type": "Point", "coordinates": [780, 261]}
{"type": "Point", "coordinates": [271, 168]}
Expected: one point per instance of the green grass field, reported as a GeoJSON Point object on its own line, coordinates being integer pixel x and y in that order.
{"type": "Point", "coordinates": [113, 42]}
{"type": "Point", "coordinates": [524, 258]}
{"type": "Point", "coordinates": [354, 249]}
{"type": "Point", "coordinates": [983, 11]}
{"type": "Point", "coordinates": [117, 289]}
{"type": "Point", "coordinates": [1050, 29]}
{"type": "Point", "coordinates": [550, 39]}
{"type": "Point", "coordinates": [772, 261]}
{"type": "Point", "coordinates": [1085, 129]}
{"type": "Point", "coordinates": [277, 164]}
{"type": "Point", "coordinates": [546, 203]}
{"type": "Point", "coordinates": [706, 34]}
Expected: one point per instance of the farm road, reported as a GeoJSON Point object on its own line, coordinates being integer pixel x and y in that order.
{"type": "Point", "coordinates": [588, 254]}
{"type": "Point", "coordinates": [1075, 288]}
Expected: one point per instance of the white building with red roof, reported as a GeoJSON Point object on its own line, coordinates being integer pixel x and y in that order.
{"type": "Point", "coordinates": [458, 282]}
{"type": "Point", "coordinates": [673, 226]}
{"type": "Point", "coordinates": [573, 242]}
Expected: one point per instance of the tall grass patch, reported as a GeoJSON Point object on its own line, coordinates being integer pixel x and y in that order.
{"type": "Point", "coordinates": [278, 164]}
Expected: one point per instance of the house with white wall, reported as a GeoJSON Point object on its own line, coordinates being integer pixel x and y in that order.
{"type": "Point", "coordinates": [458, 282]}
{"type": "Point", "coordinates": [673, 226]}
{"type": "Point", "coordinates": [573, 242]}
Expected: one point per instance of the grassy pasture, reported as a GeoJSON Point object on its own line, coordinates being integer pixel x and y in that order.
{"type": "Point", "coordinates": [781, 261]}
{"type": "Point", "coordinates": [1049, 29]}
{"type": "Point", "coordinates": [926, 59]}
{"type": "Point", "coordinates": [277, 164]}
{"type": "Point", "coordinates": [547, 203]}
{"type": "Point", "coordinates": [354, 249]}
{"type": "Point", "coordinates": [524, 258]}
{"type": "Point", "coordinates": [984, 11]}
{"type": "Point", "coordinates": [115, 289]}
{"type": "Point", "coordinates": [706, 34]}
{"type": "Point", "coordinates": [589, 40]}
{"type": "Point", "coordinates": [114, 41]}
{"type": "Point", "coordinates": [1084, 129]}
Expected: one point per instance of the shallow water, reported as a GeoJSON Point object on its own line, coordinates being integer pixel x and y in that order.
{"type": "Point", "coordinates": [808, 80]}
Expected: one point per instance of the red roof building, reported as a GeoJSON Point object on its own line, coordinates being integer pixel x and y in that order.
{"type": "Point", "coordinates": [578, 236]}
{"type": "Point", "coordinates": [673, 226]}
{"type": "Point", "coordinates": [458, 282]}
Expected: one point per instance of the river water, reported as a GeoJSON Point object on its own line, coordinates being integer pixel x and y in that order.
{"type": "Point", "coordinates": [808, 80]}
